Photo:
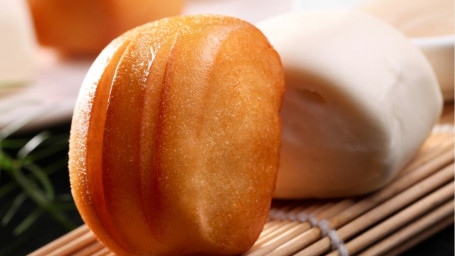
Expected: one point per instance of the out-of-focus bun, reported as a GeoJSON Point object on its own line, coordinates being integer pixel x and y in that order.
{"type": "Point", "coordinates": [85, 27]}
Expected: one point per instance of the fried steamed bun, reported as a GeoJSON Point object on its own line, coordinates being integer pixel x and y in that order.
{"type": "Point", "coordinates": [175, 138]}
{"type": "Point", "coordinates": [85, 27]}
{"type": "Point", "coordinates": [360, 99]}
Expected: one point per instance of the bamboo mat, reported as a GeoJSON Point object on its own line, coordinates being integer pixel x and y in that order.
{"type": "Point", "coordinates": [418, 204]}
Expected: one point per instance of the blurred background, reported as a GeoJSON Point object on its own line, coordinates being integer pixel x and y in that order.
{"type": "Point", "coordinates": [46, 48]}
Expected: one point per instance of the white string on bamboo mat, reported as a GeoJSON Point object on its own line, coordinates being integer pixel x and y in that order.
{"type": "Point", "coordinates": [323, 225]}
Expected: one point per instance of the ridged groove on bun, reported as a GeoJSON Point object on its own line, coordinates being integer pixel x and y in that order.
{"type": "Point", "coordinates": [175, 138]}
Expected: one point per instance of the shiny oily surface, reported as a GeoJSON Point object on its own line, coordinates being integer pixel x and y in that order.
{"type": "Point", "coordinates": [175, 138]}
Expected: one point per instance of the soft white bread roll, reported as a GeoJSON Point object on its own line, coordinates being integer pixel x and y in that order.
{"type": "Point", "coordinates": [440, 53]}
{"type": "Point", "coordinates": [430, 23]}
{"type": "Point", "coordinates": [360, 100]}
{"type": "Point", "coordinates": [17, 43]}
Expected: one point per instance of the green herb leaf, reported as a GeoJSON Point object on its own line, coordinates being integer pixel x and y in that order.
{"type": "Point", "coordinates": [13, 208]}
{"type": "Point", "coordinates": [27, 222]}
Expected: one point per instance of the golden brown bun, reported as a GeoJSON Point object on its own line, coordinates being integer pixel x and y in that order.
{"type": "Point", "coordinates": [175, 138]}
{"type": "Point", "coordinates": [87, 26]}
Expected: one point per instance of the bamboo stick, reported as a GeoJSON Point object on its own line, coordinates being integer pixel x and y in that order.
{"type": "Point", "coordinates": [366, 204]}
{"type": "Point", "coordinates": [89, 250]}
{"type": "Point", "coordinates": [443, 146]}
{"type": "Point", "coordinates": [434, 141]}
{"type": "Point", "coordinates": [103, 252]}
{"type": "Point", "coordinates": [429, 168]}
{"type": "Point", "coordinates": [399, 201]}
{"type": "Point", "coordinates": [266, 248]}
{"type": "Point", "coordinates": [298, 242]}
{"type": "Point", "coordinates": [62, 241]}
{"type": "Point", "coordinates": [408, 232]}
{"type": "Point", "coordinates": [286, 226]}
{"type": "Point", "coordinates": [274, 225]}
{"type": "Point", "coordinates": [394, 188]}
{"type": "Point", "coordinates": [421, 237]}
{"type": "Point", "coordinates": [269, 224]}
{"type": "Point", "coordinates": [272, 228]}
{"type": "Point", "coordinates": [269, 246]}
{"type": "Point", "coordinates": [399, 219]}
{"type": "Point", "coordinates": [273, 222]}
{"type": "Point", "coordinates": [73, 246]}
{"type": "Point", "coordinates": [337, 208]}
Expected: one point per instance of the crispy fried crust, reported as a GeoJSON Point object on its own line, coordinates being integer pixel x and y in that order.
{"type": "Point", "coordinates": [175, 138]}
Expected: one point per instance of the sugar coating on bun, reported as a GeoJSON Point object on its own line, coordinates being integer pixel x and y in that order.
{"type": "Point", "coordinates": [175, 138]}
